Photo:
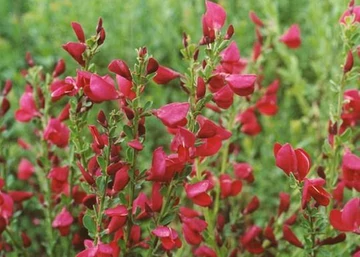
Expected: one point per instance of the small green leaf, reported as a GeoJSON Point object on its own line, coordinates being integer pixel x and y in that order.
{"type": "Point", "coordinates": [128, 131]}
{"type": "Point", "coordinates": [89, 224]}
{"type": "Point", "coordinates": [102, 163]}
{"type": "Point", "coordinates": [346, 136]}
{"type": "Point", "coordinates": [167, 219]}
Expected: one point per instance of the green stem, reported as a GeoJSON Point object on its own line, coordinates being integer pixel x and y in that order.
{"type": "Point", "coordinates": [334, 162]}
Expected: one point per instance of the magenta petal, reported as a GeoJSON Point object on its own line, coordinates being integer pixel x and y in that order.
{"type": "Point", "coordinates": [164, 75]}
{"type": "Point", "coordinates": [100, 90]}
{"type": "Point", "coordinates": [215, 15]}
{"type": "Point", "coordinates": [173, 114]}
{"type": "Point", "coordinates": [242, 85]}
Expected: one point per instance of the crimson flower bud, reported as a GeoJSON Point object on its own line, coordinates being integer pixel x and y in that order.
{"type": "Point", "coordinates": [164, 75]}
{"type": "Point", "coordinates": [291, 237]}
{"type": "Point", "coordinates": [252, 206]}
{"type": "Point", "coordinates": [76, 51]}
{"type": "Point", "coordinates": [229, 32]}
{"type": "Point", "coordinates": [142, 52]}
{"type": "Point", "coordinates": [89, 201]}
{"type": "Point", "coordinates": [102, 36]}
{"type": "Point", "coordinates": [29, 60]}
{"type": "Point", "coordinates": [99, 25]}
{"type": "Point", "coordinates": [25, 239]}
{"type": "Point", "coordinates": [101, 119]}
{"type": "Point", "coordinates": [185, 40]}
{"type": "Point", "coordinates": [284, 203]}
{"type": "Point", "coordinates": [7, 87]}
{"type": "Point", "coordinates": [200, 88]}
{"type": "Point", "coordinates": [333, 240]}
{"type": "Point", "coordinates": [97, 137]}
{"type": "Point", "coordinates": [59, 68]}
{"type": "Point", "coordinates": [196, 55]}
{"type": "Point", "coordinates": [255, 19]}
{"type": "Point", "coordinates": [120, 67]}
{"type": "Point", "coordinates": [79, 32]}
{"type": "Point", "coordinates": [135, 144]}
{"type": "Point", "coordinates": [349, 63]}
{"type": "Point", "coordinates": [152, 66]}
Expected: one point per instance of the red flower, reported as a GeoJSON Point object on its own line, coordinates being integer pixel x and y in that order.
{"type": "Point", "coordinates": [228, 186]}
{"type": "Point", "coordinates": [212, 21]}
{"type": "Point", "coordinates": [158, 170]}
{"type": "Point", "coordinates": [156, 197]}
{"type": "Point", "coordinates": [252, 206]}
{"type": "Point", "coordinates": [59, 179]}
{"type": "Point", "coordinates": [347, 219]}
{"type": "Point", "coordinates": [351, 108]}
{"type": "Point", "coordinates": [351, 170]}
{"type": "Point", "coordinates": [284, 203]}
{"type": "Point", "coordinates": [59, 88]}
{"type": "Point", "coordinates": [291, 38]}
{"type": "Point", "coordinates": [20, 196]}
{"type": "Point", "coordinates": [79, 32]}
{"type": "Point", "coordinates": [250, 124]}
{"type": "Point", "coordinates": [141, 207]}
{"type": "Point", "coordinates": [100, 250]}
{"type": "Point", "coordinates": [27, 109]}
{"type": "Point", "coordinates": [224, 97]}
{"type": "Point", "coordinates": [208, 129]}
{"type": "Point", "coordinates": [101, 89]}
{"type": "Point", "coordinates": [242, 85]}
{"type": "Point", "coordinates": [120, 68]}
{"type": "Point", "coordinates": [291, 237]}
{"type": "Point", "coordinates": [63, 221]}
{"type": "Point", "coordinates": [314, 188]}
{"type": "Point", "coordinates": [292, 161]}
{"type": "Point", "coordinates": [118, 216]}
{"type": "Point", "coordinates": [355, 12]}
{"type": "Point", "coordinates": [59, 68]}
{"type": "Point", "coordinates": [6, 206]}
{"type": "Point", "coordinates": [251, 240]}
{"type": "Point", "coordinates": [192, 226]}
{"type": "Point", "coordinates": [25, 169]}
{"type": "Point", "coordinates": [210, 146]}
{"type": "Point", "coordinates": [135, 144]}
{"type": "Point", "coordinates": [231, 61]}
{"type": "Point", "coordinates": [76, 51]}
{"type": "Point", "coordinates": [255, 19]}
{"type": "Point", "coordinates": [204, 251]}
{"type": "Point", "coordinates": [121, 179]}
{"type": "Point", "coordinates": [244, 171]}
{"type": "Point", "coordinates": [173, 115]}
{"type": "Point", "coordinates": [164, 75]}
{"type": "Point", "coordinates": [168, 237]}
{"type": "Point", "coordinates": [57, 133]}
{"type": "Point", "coordinates": [197, 193]}
{"type": "Point", "coordinates": [183, 143]}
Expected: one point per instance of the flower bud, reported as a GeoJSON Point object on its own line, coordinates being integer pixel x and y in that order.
{"type": "Point", "coordinates": [349, 62]}
{"type": "Point", "coordinates": [101, 119]}
{"type": "Point", "coordinates": [152, 66]}
{"type": "Point", "coordinates": [229, 32]}
{"type": "Point", "coordinates": [59, 68]}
